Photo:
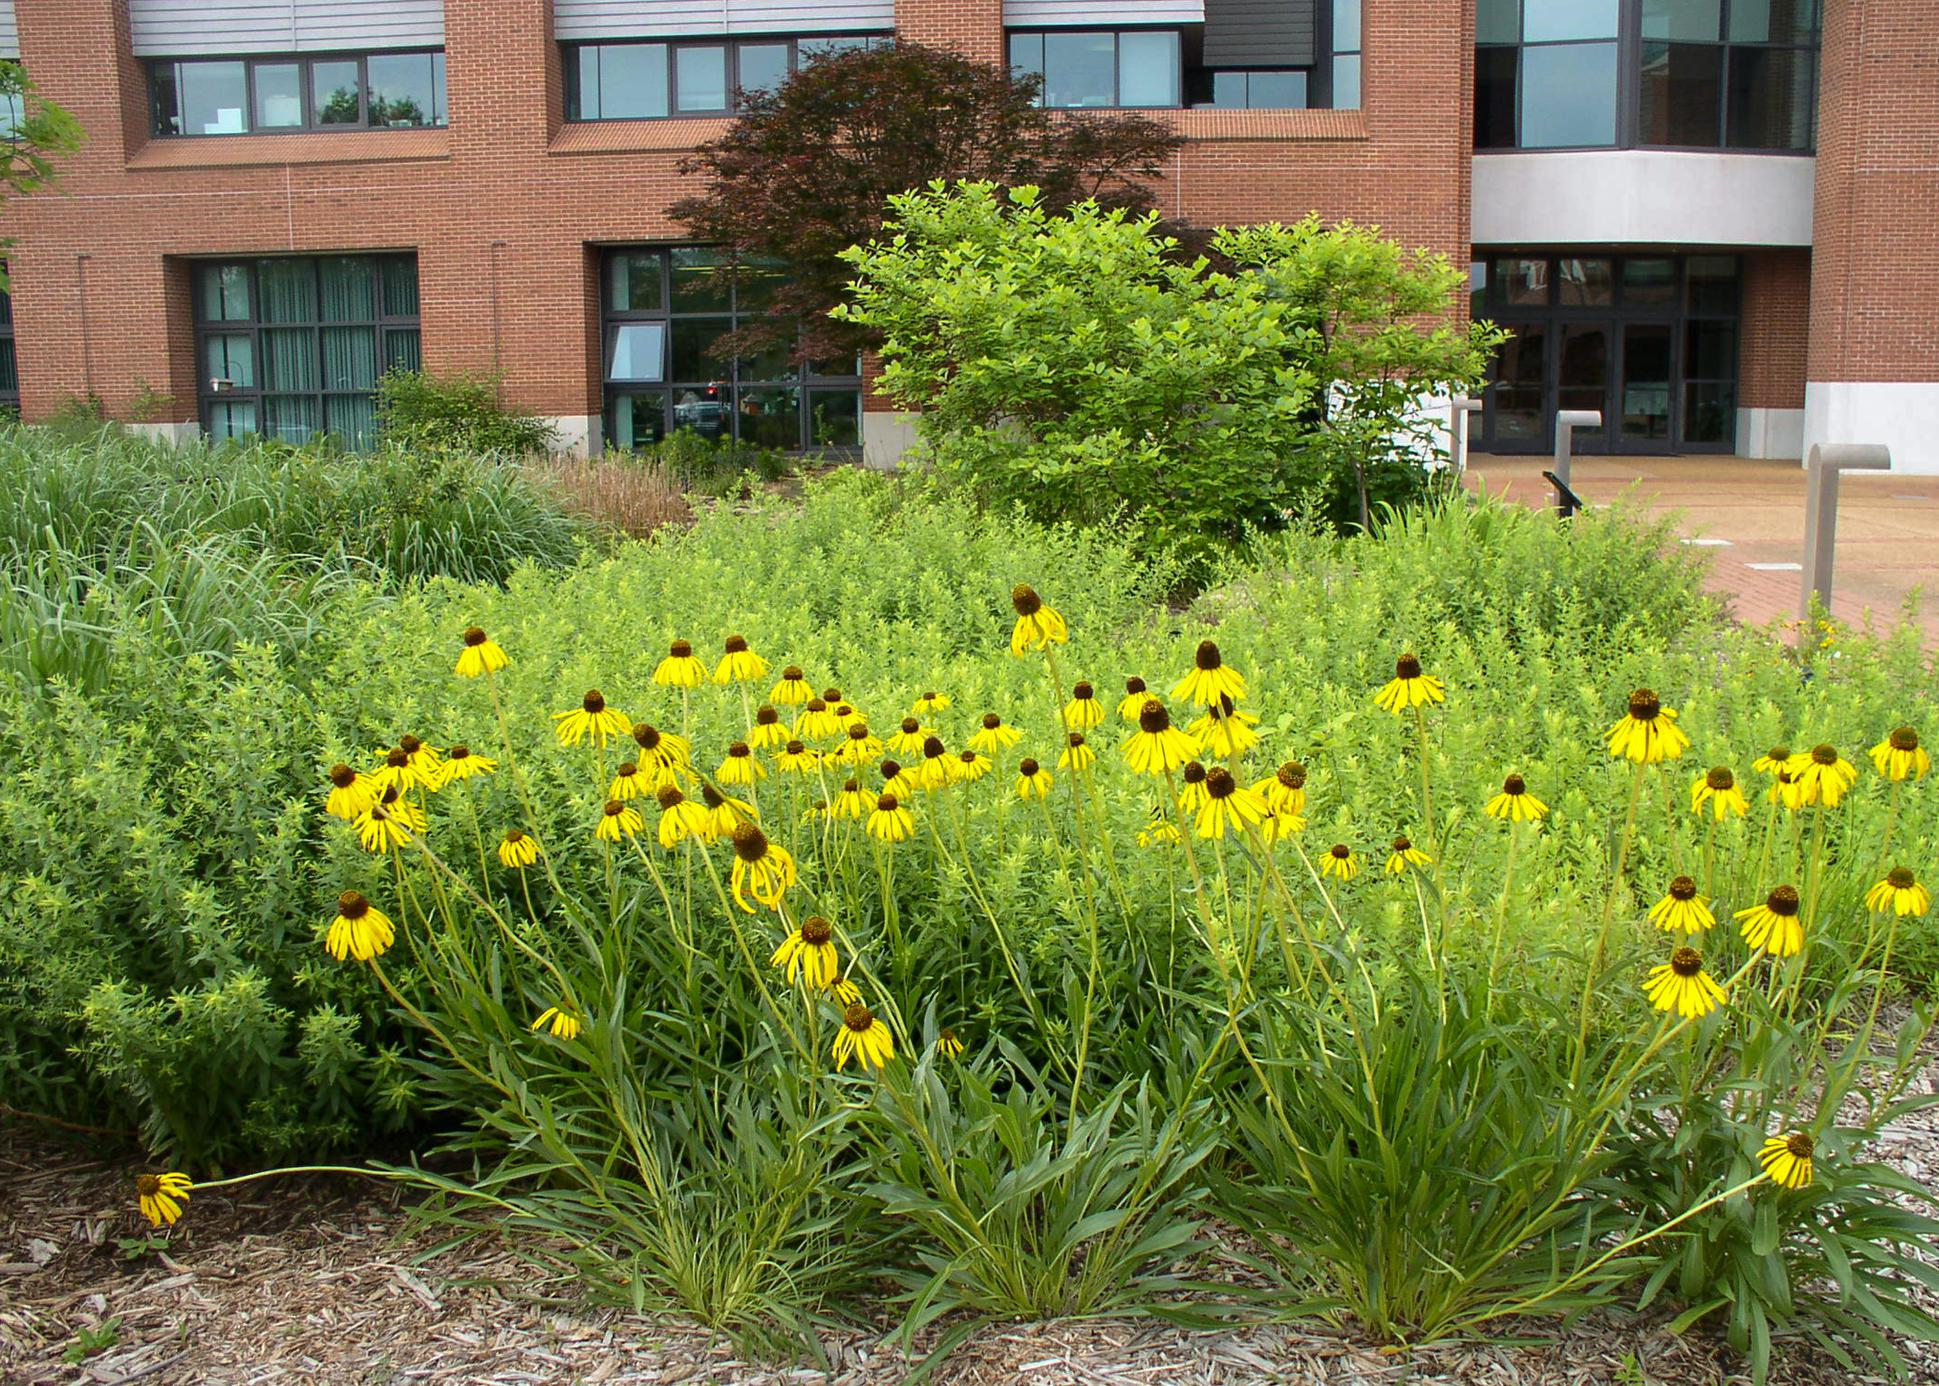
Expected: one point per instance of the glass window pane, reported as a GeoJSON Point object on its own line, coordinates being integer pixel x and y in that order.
{"type": "Point", "coordinates": [1346, 26]}
{"type": "Point", "coordinates": [349, 358]}
{"type": "Point", "coordinates": [1477, 288]}
{"type": "Point", "coordinates": [289, 358]}
{"type": "Point", "coordinates": [1148, 69]}
{"type": "Point", "coordinates": [400, 286]}
{"type": "Point", "coordinates": [1649, 281]}
{"type": "Point", "coordinates": [1495, 72]}
{"type": "Point", "coordinates": [772, 364]}
{"type": "Point", "coordinates": [403, 349]}
{"type": "Point", "coordinates": [1546, 20]}
{"type": "Point", "coordinates": [1521, 375]}
{"type": "Point", "coordinates": [763, 66]}
{"type": "Point", "coordinates": [212, 97]}
{"type": "Point", "coordinates": [232, 418]}
{"type": "Point", "coordinates": [168, 103]}
{"type": "Point", "coordinates": [1710, 349]}
{"type": "Point", "coordinates": [1277, 91]}
{"type": "Point", "coordinates": [1568, 97]}
{"type": "Point", "coordinates": [232, 357]}
{"type": "Point", "coordinates": [1772, 98]}
{"type": "Point", "coordinates": [349, 288]}
{"type": "Point", "coordinates": [814, 49]}
{"type": "Point", "coordinates": [353, 419]}
{"type": "Point", "coordinates": [1524, 281]}
{"type": "Point", "coordinates": [279, 96]}
{"type": "Point", "coordinates": [702, 411]}
{"type": "Point", "coordinates": [1692, 21]}
{"type": "Point", "coordinates": [1713, 284]}
{"type": "Point", "coordinates": [9, 371]}
{"type": "Point", "coordinates": [769, 417]}
{"type": "Point", "coordinates": [336, 93]}
{"type": "Point", "coordinates": [292, 418]}
{"type": "Point", "coordinates": [1585, 283]}
{"type": "Point", "coordinates": [691, 338]}
{"type": "Point", "coordinates": [633, 283]}
{"type": "Point", "coordinates": [288, 289]}
{"type": "Point", "coordinates": [637, 421]}
{"type": "Point", "coordinates": [401, 89]}
{"type": "Point", "coordinates": [225, 293]}
{"type": "Point", "coordinates": [632, 81]}
{"type": "Point", "coordinates": [1346, 82]}
{"type": "Point", "coordinates": [696, 287]}
{"type": "Point", "coordinates": [1710, 412]}
{"type": "Point", "coordinates": [1077, 69]}
{"type": "Point", "coordinates": [1682, 95]}
{"type": "Point", "coordinates": [1498, 21]}
{"type": "Point", "coordinates": [582, 73]}
{"type": "Point", "coordinates": [1645, 403]}
{"type": "Point", "coordinates": [440, 112]}
{"type": "Point", "coordinates": [1582, 378]}
{"type": "Point", "coordinates": [638, 352]}
{"type": "Point", "coordinates": [835, 418]}
{"type": "Point", "coordinates": [1773, 21]}
{"type": "Point", "coordinates": [700, 78]}
{"type": "Point", "coordinates": [1026, 55]}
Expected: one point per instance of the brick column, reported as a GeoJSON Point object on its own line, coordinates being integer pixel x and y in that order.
{"type": "Point", "coordinates": [973, 28]}
{"type": "Point", "coordinates": [1873, 370]}
{"type": "Point", "coordinates": [1774, 335]}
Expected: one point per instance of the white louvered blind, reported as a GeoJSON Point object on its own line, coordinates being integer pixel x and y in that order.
{"type": "Point", "coordinates": [185, 28]}
{"type": "Point", "coordinates": [9, 31]}
{"type": "Point", "coordinates": [574, 20]}
{"type": "Point", "coordinates": [1052, 14]}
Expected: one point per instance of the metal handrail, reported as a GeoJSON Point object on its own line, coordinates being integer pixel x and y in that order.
{"type": "Point", "coordinates": [1822, 469]}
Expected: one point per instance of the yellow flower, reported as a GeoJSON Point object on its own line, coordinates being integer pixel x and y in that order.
{"type": "Point", "coordinates": [161, 1196]}
{"type": "Point", "coordinates": [517, 850]}
{"type": "Point", "coordinates": [1077, 754]}
{"type": "Point", "coordinates": [761, 868]}
{"type": "Point", "coordinates": [740, 766]}
{"type": "Point", "coordinates": [1340, 861]}
{"type": "Point", "coordinates": [562, 1022]}
{"type": "Point", "coordinates": [591, 718]}
{"type": "Point", "coordinates": [619, 819]}
{"type": "Point", "coordinates": [1134, 699]}
{"type": "Point", "coordinates": [1772, 761]}
{"type": "Point", "coordinates": [631, 782]}
{"type": "Point", "coordinates": [793, 690]}
{"type": "Point", "coordinates": [1409, 688]}
{"type": "Point", "coordinates": [1229, 807]}
{"type": "Point", "coordinates": [949, 1045]}
{"type": "Point", "coordinates": [971, 767]}
{"type": "Point", "coordinates": [461, 764]}
{"type": "Point", "coordinates": [359, 931]}
{"type": "Point", "coordinates": [1033, 781]}
{"type": "Point", "coordinates": [1515, 804]}
{"type": "Point", "coordinates": [1157, 747]}
{"type": "Point", "coordinates": [931, 702]}
{"type": "Point", "coordinates": [816, 722]}
{"type": "Point", "coordinates": [1900, 892]}
{"type": "Point", "coordinates": [1210, 679]}
{"type": "Point", "coordinates": [660, 751]}
{"type": "Point", "coordinates": [738, 664]}
{"type": "Point", "coordinates": [810, 952]}
{"type": "Point", "coordinates": [889, 821]}
{"type": "Point", "coordinates": [1083, 711]}
{"type": "Point", "coordinates": [797, 759]}
{"type": "Point", "coordinates": [426, 759]}
{"type": "Point", "coordinates": [1285, 788]}
{"type": "Point", "coordinates": [1280, 826]}
{"type": "Point", "coordinates": [851, 804]}
{"type": "Point", "coordinates": [864, 1039]}
{"type": "Point", "coordinates": [1226, 731]}
{"type": "Point", "coordinates": [908, 740]}
{"type": "Point", "coordinates": [767, 732]}
{"type": "Point", "coordinates": [1648, 732]}
{"type": "Point", "coordinates": [680, 669]}
{"type": "Point", "coordinates": [1682, 909]}
{"type": "Point", "coordinates": [390, 822]}
{"type": "Point", "coordinates": [398, 773]}
{"type": "Point", "coordinates": [350, 793]}
{"type": "Point", "coordinates": [844, 715]}
{"type": "Point", "coordinates": [1193, 796]}
{"type": "Point", "coordinates": [1681, 985]}
{"type": "Point", "coordinates": [939, 769]}
{"type": "Point", "coordinates": [1824, 776]}
{"type": "Point", "coordinates": [1774, 926]}
{"type": "Point", "coordinates": [1718, 789]}
{"type": "Point", "coordinates": [1038, 626]}
{"type": "Point", "coordinates": [680, 817]}
{"type": "Point", "coordinates": [859, 747]}
{"type": "Point", "coordinates": [1158, 831]}
{"type": "Point", "coordinates": [1786, 790]}
{"type": "Point", "coordinates": [994, 736]}
{"type": "Point", "coordinates": [481, 655]}
{"type": "Point", "coordinates": [1787, 1159]}
{"type": "Point", "coordinates": [724, 813]}
{"type": "Point", "coordinates": [1405, 854]}
{"type": "Point", "coordinates": [897, 781]}
{"type": "Point", "coordinates": [846, 992]}
{"type": "Point", "coordinates": [1900, 756]}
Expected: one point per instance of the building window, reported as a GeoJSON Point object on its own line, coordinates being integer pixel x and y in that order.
{"type": "Point", "coordinates": [1279, 89]}
{"type": "Point", "coordinates": [1701, 74]}
{"type": "Point", "coordinates": [1346, 55]}
{"type": "Point", "coordinates": [240, 96]}
{"type": "Point", "coordinates": [663, 309]}
{"type": "Point", "coordinates": [1104, 69]}
{"type": "Point", "coordinates": [650, 80]}
{"type": "Point", "coordinates": [9, 363]}
{"type": "Point", "coordinates": [293, 347]}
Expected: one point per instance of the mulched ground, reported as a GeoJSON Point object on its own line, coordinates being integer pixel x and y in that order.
{"type": "Point", "coordinates": [317, 1281]}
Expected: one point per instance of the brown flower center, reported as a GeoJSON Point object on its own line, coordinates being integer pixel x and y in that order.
{"type": "Point", "coordinates": [1292, 774]}
{"type": "Point", "coordinates": [1514, 786]}
{"type": "Point", "coordinates": [888, 803]}
{"type": "Point", "coordinates": [514, 836]}
{"type": "Point", "coordinates": [1075, 739]}
{"type": "Point", "coordinates": [1025, 599]}
{"type": "Point", "coordinates": [793, 674]}
{"type": "Point", "coordinates": [851, 787]}
{"type": "Point", "coordinates": [1083, 693]}
{"type": "Point", "coordinates": [148, 1185]}
{"type": "Point", "coordinates": [858, 1018]}
{"type": "Point", "coordinates": [1900, 878]}
{"type": "Point", "coordinates": [816, 931]}
{"type": "Point", "coordinates": [594, 701]}
{"type": "Point", "coordinates": [1720, 779]}
{"type": "Point", "coordinates": [932, 746]}
{"type": "Point", "coordinates": [967, 757]}
{"type": "Point", "coordinates": [991, 721]}
{"type": "Point", "coordinates": [459, 752]}
{"type": "Point", "coordinates": [1904, 739]}
{"type": "Point", "coordinates": [1783, 900]}
{"type": "Point", "coordinates": [669, 795]}
{"type": "Point", "coordinates": [474, 636]}
{"type": "Point", "coordinates": [1134, 686]}
{"type": "Point", "coordinates": [1686, 962]}
{"type": "Point", "coordinates": [1824, 754]}
{"type": "Point", "coordinates": [1220, 784]}
{"type": "Point", "coordinates": [765, 716]}
{"type": "Point", "coordinates": [795, 748]}
{"type": "Point", "coordinates": [817, 705]}
{"type": "Point", "coordinates": [1401, 844]}
{"type": "Point", "coordinates": [1643, 705]}
{"type": "Point", "coordinates": [738, 750]}
{"type": "Point", "coordinates": [398, 758]}
{"type": "Point", "coordinates": [1207, 656]}
{"type": "Point", "coordinates": [928, 697]}
{"type": "Point", "coordinates": [1683, 888]}
{"type": "Point", "coordinates": [891, 768]}
{"type": "Point", "coordinates": [711, 796]}
{"type": "Point", "coordinates": [750, 843]}
{"type": "Point", "coordinates": [1777, 755]}
{"type": "Point", "coordinates": [391, 796]}
{"type": "Point", "coordinates": [736, 644]}
{"type": "Point", "coordinates": [1340, 851]}
{"type": "Point", "coordinates": [1153, 718]}
{"type": "Point", "coordinates": [614, 808]}
{"type": "Point", "coordinates": [858, 731]}
{"type": "Point", "coordinates": [1407, 667]}
{"type": "Point", "coordinates": [342, 776]}
{"type": "Point", "coordinates": [1027, 768]}
{"type": "Point", "coordinates": [627, 768]}
{"type": "Point", "coordinates": [1193, 773]}
{"type": "Point", "coordinates": [352, 905]}
{"type": "Point", "coordinates": [680, 649]}
{"type": "Point", "coordinates": [910, 726]}
{"type": "Point", "coordinates": [647, 736]}
{"type": "Point", "coordinates": [1800, 1145]}
{"type": "Point", "coordinates": [831, 696]}
{"type": "Point", "coordinates": [410, 745]}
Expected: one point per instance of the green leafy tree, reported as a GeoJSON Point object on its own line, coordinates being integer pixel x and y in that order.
{"type": "Point", "coordinates": [36, 133]}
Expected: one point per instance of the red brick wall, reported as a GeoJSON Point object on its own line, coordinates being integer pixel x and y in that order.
{"type": "Point", "coordinates": [1775, 330]}
{"type": "Point", "coordinates": [503, 206]}
{"type": "Point", "coordinates": [1875, 272]}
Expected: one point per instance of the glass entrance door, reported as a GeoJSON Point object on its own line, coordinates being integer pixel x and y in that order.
{"type": "Point", "coordinates": [1584, 352]}
{"type": "Point", "coordinates": [1644, 399]}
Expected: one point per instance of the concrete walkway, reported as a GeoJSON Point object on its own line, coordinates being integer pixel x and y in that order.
{"type": "Point", "coordinates": [1748, 516]}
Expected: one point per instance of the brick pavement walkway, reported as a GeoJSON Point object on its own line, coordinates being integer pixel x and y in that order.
{"type": "Point", "coordinates": [1748, 516]}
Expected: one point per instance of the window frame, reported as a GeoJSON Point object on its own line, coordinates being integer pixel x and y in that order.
{"type": "Point", "coordinates": [574, 94]}
{"type": "Point", "coordinates": [305, 64]}
{"type": "Point", "coordinates": [1116, 31]}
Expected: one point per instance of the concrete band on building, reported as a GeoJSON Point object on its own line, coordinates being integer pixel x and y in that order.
{"type": "Point", "coordinates": [1713, 220]}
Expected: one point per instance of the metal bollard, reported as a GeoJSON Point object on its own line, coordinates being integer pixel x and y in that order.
{"type": "Point", "coordinates": [1567, 421]}
{"type": "Point", "coordinates": [1827, 460]}
{"type": "Point", "coordinates": [1457, 435]}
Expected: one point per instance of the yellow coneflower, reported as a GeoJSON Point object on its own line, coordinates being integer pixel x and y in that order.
{"type": "Point", "coordinates": [1033, 781]}
{"type": "Point", "coordinates": [1191, 795]}
{"type": "Point", "coordinates": [390, 822]}
{"type": "Point", "coordinates": [844, 714]}
{"type": "Point", "coordinates": [350, 792]}
{"type": "Point", "coordinates": [939, 769]}
{"type": "Point", "coordinates": [909, 737]}
{"type": "Point", "coordinates": [1718, 788]}
{"type": "Point", "coordinates": [1515, 804]}
{"type": "Point", "coordinates": [591, 718]}
{"type": "Point", "coordinates": [971, 767]}
{"type": "Point", "coordinates": [1900, 892]}
{"type": "Point", "coordinates": [397, 772]}
{"type": "Point", "coordinates": [1229, 807]}
{"type": "Point", "coordinates": [631, 782]}
{"type": "Point", "coordinates": [1409, 688]}
{"type": "Point", "coordinates": [1785, 790]}
{"type": "Point", "coordinates": [680, 669]}
{"type": "Point", "coordinates": [724, 813]}
{"type": "Point", "coordinates": [460, 764]}
{"type": "Point", "coordinates": [897, 781]}
{"type": "Point", "coordinates": [1787, 1159]}
{"type": "Point", "coordinates": [846, 992]}
{"type": "Point", "coordinates": [762, 869]}
{"type": "Point", "coordinates": [797, 759]}
{"type": "Point", "coordinates": [481, 655]}
{"type": "Point", "coordinates": [1226, 731]}
{"type": "Point", "coordinates": [1038, 626]}
{"type": "Point", "coordinates": [851, 804]}
{"type": "Point", "coordinates": [1340, 861]}
{"type": "Point", "coordinates": [1774, 760]}
{"type": "Point", "coordinates": [1157, 747]}
{"type": "Point", "coordinates": [1285, 788]}
{"type": "Point", "coordinates": [931, 703]}
{"type": "Point", "coordinates": [1077, 753]}
{"type": "Point", "coordinates": [809, 952]}
{"type": "Point", "coordinates": [161, 1196]}
{"type": "Point", "coordinates": [1900, 756]}
{"type": "Point", "coordinates": [427, 761]}
{"type": "Point", "coordinates": [517, 850]}
{"type": "Point", "coordinates": [1682, 909]}
{"type": "Point", "coordinates": [739, 766]}
{"type": "Point", "coordinates": [738, 664]}
{"type": "Point", "coordinates": [889, 820]}
{"type": "Point", "coordinates": [664, 752]}
{"type": "Point", "coordinates": [949, 1045]}
{"type": "Point", "coordinates": [1825, 776]}
{"type": "Point", "coordinates": [1648, 732]}
{"type": "Point", "coordinates": [360, 930]}
{"type": "Point", "coordinates": [767, 731]}
{"type": "Point", "coordinates": [1405, 854]}
{"type": "Point", "coordinates": [1133, 701]}
{"type": "Point", "coordinates": [816, 722]}
{"type": "Point", "coordinates": [1083, 711]}
{"type": "Point", "coordinates": [1774, 926]}
{"type": "Point", "coordinates": [1211, 679]}
{"type": "Point", "coordinates": [680, 817]}
{"type": "Point", "coordinates": [1157, 831]}
{"type": "Point", "coordinates": [1278, 826]}
{"type": "Point", "coordinates": [993, 736]}
{"type": "Point", "coordinates": [859, 746]}
{"type": "Point", "coordinates": [793, 690]}
{"type": "Point", "coordinates": [864, 1039]}
{"type": "Point", "coordinates": [618, 819]}
{"type": "Point", "coordinates": [561, 1022]}
{"type": "Point", "coordinates": [1681, 985]}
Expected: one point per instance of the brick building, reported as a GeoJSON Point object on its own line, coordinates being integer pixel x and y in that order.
{"type": "Point", "coordinates": [1710, 219]}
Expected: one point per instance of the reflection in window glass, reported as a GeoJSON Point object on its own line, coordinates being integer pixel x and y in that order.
{"type": "Point", "coordinates": [638, 352]}
{"type": "Point", "coordinates": [1148, 68]}
{"type": "Point", "coordinates": [1713, 283]}
{"type": "Point", "coordinates": [1027, 55]}
{"type": "Point", "coordinates": [1477, 288]}
{"type": "Point", "coordinates": [770, 416]}
{"type": "Point", "coordinates": [835, 419]}
{"type": "Point", "coordinates": [761, 66]}
{"type": "Point", "coordinates": [232, 358]}
{"type": "Point", "coordinates": [1694, 21]}
{"type": "Point", "coordinates": [225, 293]}
{"type": "Point", "coordinates": [638, 421]}
{"type": "Point", "coordinates": [700, 78]}
{"type": "Point", "coordinates": [1498, 21]}
{"type": "Point", "coordinates": [1568, 97]}
{"type": "Point", "coordinates": [1346, 82]}
{"type": "Point", "coordinates": [696, 288]}
{"type": "Point", "coordinates": [1773, 98]}
{"type": "Point", "coordinates": [1078, 69]}
{"type": "Point", "coordinates": [1773, 21]}
{"type": "Point", "coordinates": [1682, 95]}
{"type": "Point", "coordinates": [279, 96]}
{"type": "Point", "coordinates": [213, 97]}
{"type": "Point", "coordinates": [691, 359]}
{"type": "Point", "coordinates": [1584, 283]}
{"type": "Point", "coordinates": [404, 90]}
{"type": "Point", "coordinates": [1495, 73]}
{"type": "Point", "coordinates": [634, 283]}
{"type": "Point", "coordinates": [632, 81]}
{"type": "Point", "coordinates": [336, 93]}
{"type": "Point", "coordinates": [1649, 281]}
{"type": "Point", "coordinates": [1524, 281]}
{"type": "Point", "coordinates": [1346, 26]}
{"type": "Point", "coordinates": [1279, 91]}
{"type": "Point", "coordinates": [1544, 21]}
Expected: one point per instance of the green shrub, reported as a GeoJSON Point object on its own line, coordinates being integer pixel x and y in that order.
{"type": "Point", "coordinates": [712, 466]}
{"type": "Point", "coordinates": [457, 414]}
